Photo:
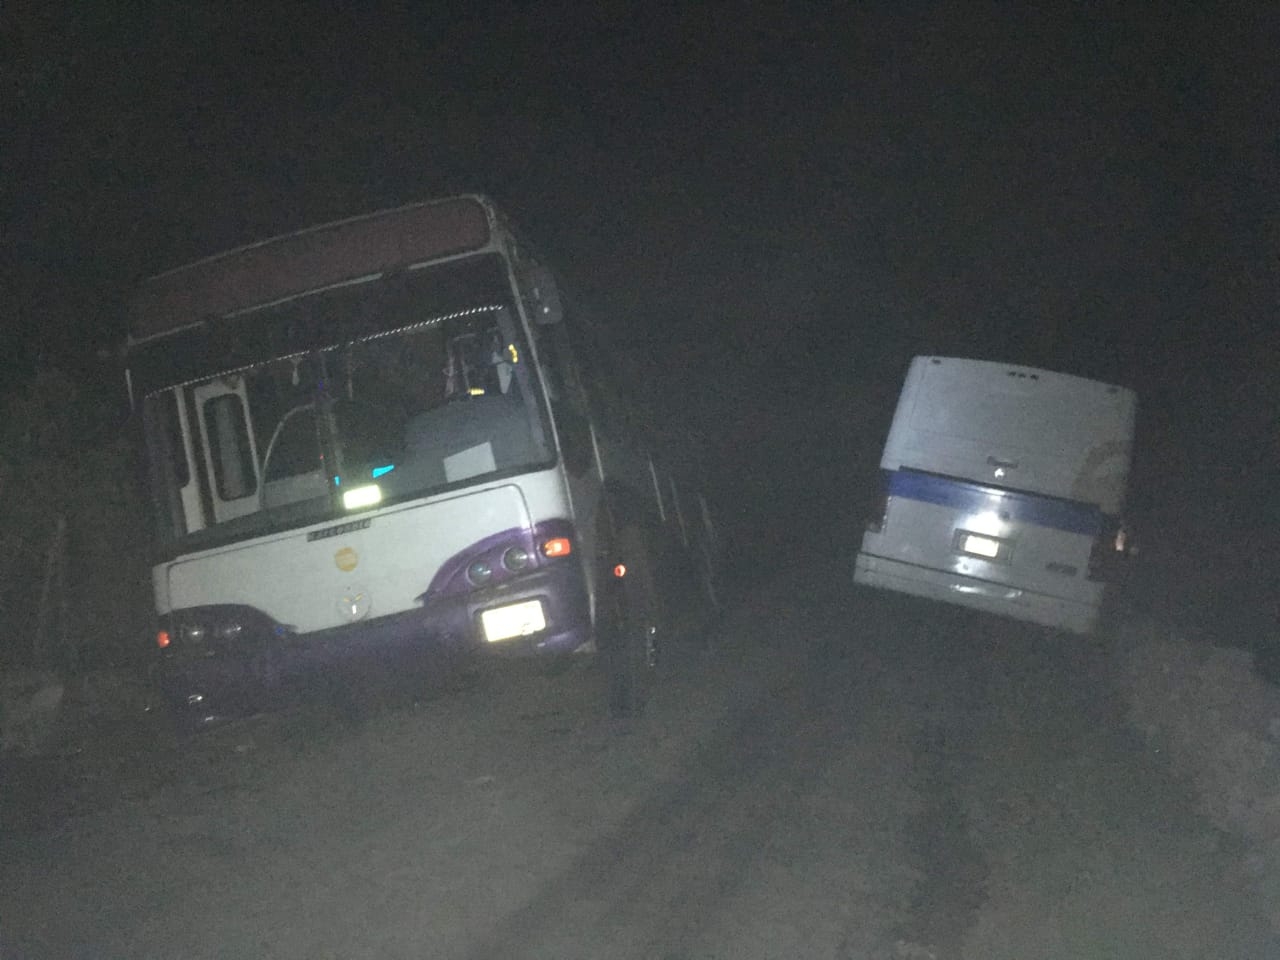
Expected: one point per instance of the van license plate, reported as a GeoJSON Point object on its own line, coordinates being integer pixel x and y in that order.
{"type": "Point", "coordinates": [980, 546]}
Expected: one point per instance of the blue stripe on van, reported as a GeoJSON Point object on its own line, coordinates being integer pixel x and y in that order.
{"type": "Point", "coordinates": [1072, 516]}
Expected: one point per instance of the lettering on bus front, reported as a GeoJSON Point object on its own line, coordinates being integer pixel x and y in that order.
{"type": "Point", "coordinates": [339, 529]}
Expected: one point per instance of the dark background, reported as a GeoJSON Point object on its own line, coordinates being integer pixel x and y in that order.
{"type": "Point", "coordinates": [771, 208]}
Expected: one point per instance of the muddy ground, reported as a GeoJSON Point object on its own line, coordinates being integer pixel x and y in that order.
{"type": "Point", "coordinates": [833, 774]}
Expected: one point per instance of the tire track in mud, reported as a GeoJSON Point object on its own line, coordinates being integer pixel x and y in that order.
{"type": "Point", "coordinates": [659, 882]}
{"type": "Point", "coordinates": [941, 674]}
{"type": "Point", "coordinates": [1048, 830]}
{"type": "Point", "coordinates": [1095, 848]}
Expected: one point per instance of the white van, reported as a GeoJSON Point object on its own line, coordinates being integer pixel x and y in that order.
{"type": "Point", "coordinates": [1003, 490]}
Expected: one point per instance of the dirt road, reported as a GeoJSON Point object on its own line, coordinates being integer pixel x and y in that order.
{"type": "Point", "coordinates": [843, 775]}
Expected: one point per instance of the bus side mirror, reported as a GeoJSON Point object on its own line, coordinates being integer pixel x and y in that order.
{"type": "Point", "coordinates": [546, 296]}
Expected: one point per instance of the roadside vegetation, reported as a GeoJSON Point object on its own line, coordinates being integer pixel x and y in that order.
{"type": "Point", "coordinates": [73, 588]}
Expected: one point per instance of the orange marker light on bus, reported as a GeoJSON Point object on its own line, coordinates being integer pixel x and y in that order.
{"type": "Point", "coordinates": [620, 571]}
{"type": "Point", "coordinates": [557, 547]}
{"type": "Point", "coordinates": [162, 639]}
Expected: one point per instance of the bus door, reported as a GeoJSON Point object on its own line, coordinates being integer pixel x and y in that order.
{"type": "Point", "coordinates": [230, 451]}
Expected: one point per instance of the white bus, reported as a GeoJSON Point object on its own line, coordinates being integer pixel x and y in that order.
{"type": "Point", "coordinates": [1002, 490]}
{"type": "Point", "coordinates": [385, 436]}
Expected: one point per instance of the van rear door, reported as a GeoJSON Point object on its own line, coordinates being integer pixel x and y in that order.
{"type": "Point", "coordinates": [1016, 427]}
{"type": "Point", "coordinates": [1001, 537]}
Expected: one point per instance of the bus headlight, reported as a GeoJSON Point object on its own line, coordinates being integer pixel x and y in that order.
{"type": "Point", "coordinates": [516, 558]}
{"type": "Point", "coordinates": [480, 572]}
{"type": "Point", "coordinates": [192, 633]}
{"type": "Point", "coordinates": [229, 631]}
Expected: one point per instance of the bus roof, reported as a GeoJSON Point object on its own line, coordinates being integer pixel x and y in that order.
{"type": "Point", "coordinates": [310, 259]}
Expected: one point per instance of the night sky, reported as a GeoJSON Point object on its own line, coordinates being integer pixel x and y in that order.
{"type": "Point", "coordinates": [771, 208]}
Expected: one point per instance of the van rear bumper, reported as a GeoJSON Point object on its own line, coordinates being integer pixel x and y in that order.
{"type": "Point", "coordinates": [887, 574]}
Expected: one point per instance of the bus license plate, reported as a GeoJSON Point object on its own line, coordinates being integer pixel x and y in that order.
{"type": "Point", "coordinates": [515, 620]}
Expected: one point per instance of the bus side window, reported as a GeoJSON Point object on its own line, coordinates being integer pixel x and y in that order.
{"type": "Point", "coordinates": [297, 449]}
{"type": "Point", "coordinates": [170, 475]}
{"type": "Point", "coordinates": [233, 467]}
{"type": "Point", "coordinates": [610, 413]}
{"type": "Point", "coordinates": [567, 400]}
{"type": "Point", "coordinates": [171, 439]}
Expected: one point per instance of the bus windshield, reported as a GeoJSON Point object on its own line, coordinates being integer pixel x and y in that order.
{"type": "Point", "coordinates": [369, 393]}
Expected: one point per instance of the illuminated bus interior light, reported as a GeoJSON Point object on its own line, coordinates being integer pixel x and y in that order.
{"type": "Point", "coordinates": [359, 497]}
{"type": "Point", "coordinates": [475, 391]}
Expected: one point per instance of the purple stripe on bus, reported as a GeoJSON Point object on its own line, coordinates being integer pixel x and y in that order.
{"type": "Point", "coordinates": [451, 579]}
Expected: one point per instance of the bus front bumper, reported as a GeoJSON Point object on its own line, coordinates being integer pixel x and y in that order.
{"type": "Point", "coordinates": [545, 613]}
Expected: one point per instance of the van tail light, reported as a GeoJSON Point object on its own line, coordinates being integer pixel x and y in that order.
{"type": "Point", "coordinates": [1111, 546]}
{"type": "Point", "coordinates": [878, 515]}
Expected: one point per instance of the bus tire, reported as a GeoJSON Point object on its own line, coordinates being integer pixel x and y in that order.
{"type": "Point", "coordinates": [630, 650]}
